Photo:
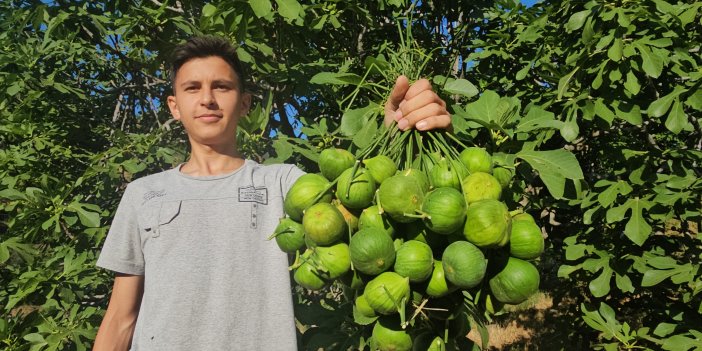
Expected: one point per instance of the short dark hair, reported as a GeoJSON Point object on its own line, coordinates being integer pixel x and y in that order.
{"type": "Point", "coordinates": [206, 46]}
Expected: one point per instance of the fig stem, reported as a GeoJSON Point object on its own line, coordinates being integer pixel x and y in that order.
{"type": "Point", "coordinates": [353, 174]}
{"type": "Point", "coordinates": [296, 263]}
{"type": "Point", "coordinates": [515, 212]}
{"type": "Point", "coordinates": [326, 189]}
{"type": "Point", "coordinates": [453, 137]}
{"type": "Point", "coordinates": [275, 234]}
{"type": "Point", "coordinates": [417, 215]}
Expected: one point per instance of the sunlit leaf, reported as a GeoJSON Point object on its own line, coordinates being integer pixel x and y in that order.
{"type": "Point", "coordinates": [261, 8]}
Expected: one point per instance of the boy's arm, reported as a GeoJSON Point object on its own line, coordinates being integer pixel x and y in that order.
{"type": "Point", "coordinates": [417, 106]}
{"type": "Point", "coordinates": [117, 326]}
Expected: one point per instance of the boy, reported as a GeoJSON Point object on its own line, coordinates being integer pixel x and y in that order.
{"type": "Point", "coordinates": [194, 270]}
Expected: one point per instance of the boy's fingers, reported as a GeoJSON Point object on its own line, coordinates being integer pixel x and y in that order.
{"type": "Point", "coordinates": [423, 113]}
{"type": "Point", "coordinates": [397, 94]}
{"type": "Point", "coordinates": [434, 122]}
{"type": "Point", "coordinates": [424, 98]}
{"type": "Point", "coordinates": [417, 88]}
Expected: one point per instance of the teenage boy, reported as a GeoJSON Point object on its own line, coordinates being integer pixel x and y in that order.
{"type": "Point", "coordinates": [194, 270]}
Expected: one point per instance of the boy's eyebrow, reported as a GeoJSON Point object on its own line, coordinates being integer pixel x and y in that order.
{"type": "Point", "coordinates": [216, 81]}
{"type": "Point", "coordinates": [189, 82]}
{"type": "Point", "coordinates": [224, 81]}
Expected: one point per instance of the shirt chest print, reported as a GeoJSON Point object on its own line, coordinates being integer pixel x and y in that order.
{"type": "Point", "coordinates": [256, 196]}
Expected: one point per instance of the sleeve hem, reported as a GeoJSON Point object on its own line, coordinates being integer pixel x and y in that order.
{"type": "Point", "coordinates": [121, 267]}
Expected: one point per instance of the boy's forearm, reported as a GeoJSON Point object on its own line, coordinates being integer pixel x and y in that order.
{"type": "Point", "coordinates": [115, 333]}
{"type": "Point", "coordinates": [118, 325]}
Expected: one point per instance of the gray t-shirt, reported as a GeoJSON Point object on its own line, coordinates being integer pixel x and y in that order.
{"type": "Point", "coordinates": [211, 279]}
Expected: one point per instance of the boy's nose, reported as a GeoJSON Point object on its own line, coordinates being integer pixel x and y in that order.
{"type": "Point", "coordinates": [207, 97]}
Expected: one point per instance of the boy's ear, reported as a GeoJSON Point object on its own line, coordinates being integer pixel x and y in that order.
{"type": "Point", "coordinates": [246, 103]}
{"type": "Point", "coordinates": [173, 107]}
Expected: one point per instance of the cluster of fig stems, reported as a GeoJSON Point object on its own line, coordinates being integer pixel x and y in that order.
{"type": "Point", "coordinates": [299, 261]}
{"type": "Point", "coordinates": [404, 147]}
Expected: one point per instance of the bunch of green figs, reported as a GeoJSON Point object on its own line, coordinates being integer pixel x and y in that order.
{"type": "Point", "coordinates": [403, 240]}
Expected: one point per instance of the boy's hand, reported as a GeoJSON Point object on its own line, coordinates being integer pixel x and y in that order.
{"type": "Point", "coordinates": [416, 106]}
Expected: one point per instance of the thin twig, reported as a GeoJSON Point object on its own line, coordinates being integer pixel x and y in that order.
{"type": "Point", "coordinates": [115, 114]}
{"type": "Point", "coordinates": [178, 9]}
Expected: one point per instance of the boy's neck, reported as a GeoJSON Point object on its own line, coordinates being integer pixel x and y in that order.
{"type": "Point", "coordinates": [206, 161]}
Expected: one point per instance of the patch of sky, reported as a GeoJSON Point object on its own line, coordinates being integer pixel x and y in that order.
{"type": "Point", "coordinates": [293, 119]}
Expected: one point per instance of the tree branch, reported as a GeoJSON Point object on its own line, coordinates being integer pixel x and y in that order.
{"type": "Point", "coordinates": [178, 9]}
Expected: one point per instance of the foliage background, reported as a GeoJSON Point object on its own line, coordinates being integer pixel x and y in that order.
{"type": "Point", "coordinates": [617, 83]}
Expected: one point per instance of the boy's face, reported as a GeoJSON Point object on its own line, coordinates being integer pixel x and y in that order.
{"type": "Point", "coordinates": [208, 101]}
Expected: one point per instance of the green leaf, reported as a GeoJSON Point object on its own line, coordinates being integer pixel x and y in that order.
{"type": "Point", "coordinates": [4, 253]}
{"type": "Point", "coordinates": [361, 319]}
{"type": "Point", "coordinates": [695, 99]}
{"type": "Point", "coordinates": [554, 167]}
{"type": "Point", "coordinates": [609, 195]}
{"type": "Point", "coordinates": [628, 112]}
{"type": "Point", "coordinates": [88, 218]}
{"type": "Point", "coordinates": [565, 270]}
{"type": "Point", "coordinates": [652, 61]}
{"type": "Point", "coordinates": [365, 136]}
{"type": "Point", "coordinates": [654, 276]}
{"type": "Point", "coordinates": [577, 20]}
{"type": "Point", "coordinates": [575, 251]}
{"type": "Point", "coordinates": [677, 119]}
{"type": "Point", "coordinates": [484, 108]}
{"type": "Point", "coordinates": [615, 51]}
{"type": "Point", "coordinates": [570, 130]}
{"type": "Point", "coordinates": [600, 286]}
{"type": "Point", "coordinates": [623, 283]}
{"type": "Point", "coordinates": [662, 262]}
{"type": "Point", "coordinates": [602, 111]}
{"type": "Point", "coordinates": [35, 339]}
{"type": "Point", "coordinates": [622, 18]}
{"type": "Point", "coordinates": [608, 325]}
{"type": "Point", "coordinates": [290, 9]}
{"type": "Point", "coordinates": [553, 161]}
{"type": "Point", "coordinates": [256, 120]}
{"type": "Point", "coordinates": [243, 54]}
{"type": "Point", "coordinates": [352, 121]}
{"type": "Point", "coordinates": [637, 229]}
{"type": "Point", "coordinates": [13, 89]}
{"type": "Point", "coordinates": [336, 78]}
{"type": "Point", "coordinates": [209, 10]}
{"type": "Point", "coordinates": [632, 83]}
{"type": "Point", "coordinates": [681, 343]}
{"type": "Point", "coordinates": [616, 214]}
{"type": "Point", "coordinates": [522, 73]}
{"type": "Point", "coordinates": [565, 81]}
{"type": "Point", "coordinates": [538, 118]}
{"type": "Point", "coordinates": [283, 151]}
{"type": "Point", "coordinates": [261, 8]}
{"type": "Point", "coordinates": [588, 31]}
{"type": "Point", "coordinates": [664, 7]}
{"type": "Point", "coordinates": [659, 107]}
{"type": "Point", "coordinates": [664, 329]}
{"type": "Point", "coordinates": [461, 87]}
{"type": "Point", "coordinates": [689, 15]}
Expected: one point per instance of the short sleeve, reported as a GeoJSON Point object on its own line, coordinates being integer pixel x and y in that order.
{"type": "Point", "coordinates": [122, 250]}
{"type": "Point", "coordinates": [289, 178]}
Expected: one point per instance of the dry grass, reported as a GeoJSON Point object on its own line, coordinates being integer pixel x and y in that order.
{"type": "Point", "coordinates": [513, 331]}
